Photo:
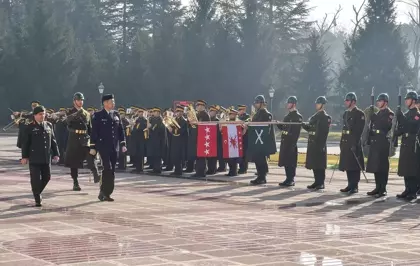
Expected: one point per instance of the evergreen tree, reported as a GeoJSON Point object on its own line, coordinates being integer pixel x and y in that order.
{"type": "Point", "coordinates": [376, 56]}
{"type": "Point", "coordinates": [313, 78]}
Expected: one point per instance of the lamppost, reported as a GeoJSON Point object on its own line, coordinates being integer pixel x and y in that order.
{"type": "Point", "coordinates": [271, 93]}
{"type": "Point", "coordinates": [101, 89]}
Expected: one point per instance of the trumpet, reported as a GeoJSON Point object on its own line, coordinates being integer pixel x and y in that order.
{"type": "Point", "coordinates": [192, 115]}
{"type": "Point", "coordinates": [224, 112]}
{"type": "Point", "coordinates": [12, 124]}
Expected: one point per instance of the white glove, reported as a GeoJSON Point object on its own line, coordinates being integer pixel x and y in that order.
{"type": "Point", "coordinates": [92, 152]}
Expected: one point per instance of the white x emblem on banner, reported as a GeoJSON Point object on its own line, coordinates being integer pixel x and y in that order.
{"type": "Point", "coordinates": [259, 139]}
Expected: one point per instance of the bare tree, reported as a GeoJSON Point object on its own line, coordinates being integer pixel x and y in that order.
{"type": "Point", "coordinates": [326, 26]}
{"type": "Point", "coordinates": [414, 15]}
{"type": "Point", "coordinates": [359, 17]}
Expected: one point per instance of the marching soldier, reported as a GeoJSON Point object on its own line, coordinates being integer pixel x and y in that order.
{"type": "Point", "coordinates": [212, 162]}
{"type": "Point", "coordinates": [122, 157]}
{"type": "Point", "coordinates": [27, 119]}
{"type": "Point", "coordinates": [38, 146]}
{"type": "Point", "coordinates": [243, 116]}
{"type": "Point", "coordinates": [179, 140]}
{"type": "Point", "coordinates": [289, 136]}
{"type": "Point", "coordinates": [107, 136]}
{"type": "Point", "coordinates": [138, 141]}
{"type": "Point", "coordinates": [260, 160]}
{"type": "Point", "coordinates": [79, 127]}
{"type": "Point", "coordinates": [408, 163]}
{"type": "Point", "coordinates": [156, 142]}
{"type": "Point", "coordinates": [351, 155]}
{"type": "Point", "coordinates": [378, 158]}
{"type": "Point", "coordinates": [202, 116]}
{"type": "Point", "coordinates": [318, 128]}
{"type": "Point", "coordinates": [233, 162]}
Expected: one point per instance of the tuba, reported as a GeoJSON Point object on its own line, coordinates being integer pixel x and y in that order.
{"type": "Point", "coordinates": [192, 115]}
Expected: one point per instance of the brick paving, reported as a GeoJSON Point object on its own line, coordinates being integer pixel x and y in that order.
{"type": "Point", "coordinates": [159, 220]}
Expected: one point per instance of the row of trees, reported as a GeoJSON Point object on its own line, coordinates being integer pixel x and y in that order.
{"type": "Point", "coordinates": [150, 52]}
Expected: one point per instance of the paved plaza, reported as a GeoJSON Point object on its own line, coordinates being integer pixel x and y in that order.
{"type": "Point", "coordinates": [158, 220]}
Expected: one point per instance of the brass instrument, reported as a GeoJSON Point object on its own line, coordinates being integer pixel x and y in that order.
{"type": "Point", "coordinates": [224, 113]}
{"type": "Point", "coordinates": [15, 120]}
{"type": "Point", "coordinates": [192, 115]}
{"type": "Point", "coordinates": [170, 122]}
{"type": "Point", "coordinates": [253, 112]}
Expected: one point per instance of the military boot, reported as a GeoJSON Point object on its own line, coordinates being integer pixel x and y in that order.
{"type": "Point", "coordinates": [76, 186]}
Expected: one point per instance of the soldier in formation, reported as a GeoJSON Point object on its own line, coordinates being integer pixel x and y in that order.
{"type": "Point", "coordinates": [318, 128]}
{"type": "Point", "coordinates": [290, 133]}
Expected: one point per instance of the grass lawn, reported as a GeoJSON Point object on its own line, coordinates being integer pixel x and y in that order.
{"type": "Point", "coordinates": [332, 161]}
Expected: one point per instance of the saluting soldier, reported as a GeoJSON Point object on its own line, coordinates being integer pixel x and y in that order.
{"type": "Point", "coordinates": [408, 163]}
{"type": "Point", "coordinates": [79, 126]}
{"type": "Point", "coordinates": [138, 142]}
{"type": "Point", "coordinates": [202, 116]}
{"type": "Point", "coordinates": [179, 140]}
{"type": "Point", "coordinates": [288, 155]}
{"type": "Point", "coordinates": [61, 134]}
{"type": "Point", "coordinates": [26, 120]}
{"type": "Point", "coordinates": [122, 157]}
{"type": "Point", "coordinates": [351, 155]}
{"type": "Point", "coordinates": [38, 146]}
{"type": "Point", "coordinates": [318, 128]}
{"type": "Point", "coordinates": [260, 160]}
{"type": "Point", "coordinates": [107, 136]}
{"type": "Point", "coordinates": [212, 162]}
{"type": "Point", "coordinates": [243, 116]}
{"type": "Point", "coordinates": [378, 158]}
{"type": "Point", "coordinates": [156, 142]}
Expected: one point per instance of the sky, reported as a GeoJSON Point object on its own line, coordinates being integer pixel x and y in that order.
{"type": "Point", "coordinates": [320, 7]}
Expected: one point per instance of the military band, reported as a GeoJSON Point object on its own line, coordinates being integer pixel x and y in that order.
{"type": "Point", "coordinates": [170, 139]}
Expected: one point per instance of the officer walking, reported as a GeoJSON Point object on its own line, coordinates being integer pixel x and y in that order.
{"type": "Point", "coordinates": [288, 155]}
{"type": "Point", "coordinates": [408, 164]}
{"type": "Point", "coordinates": [351, 155]}
{"type": "Point", "coordinates": [318, 128]}
{"type": "Point", "coordinates": [260, 160]}
{"type": "Point", "coordinates": [78, 142]}
{"type": "Point", "coordinates": [107, 135]}
{"type": "Point", "coordinates": [378, 158]}
{"type": "Point", "coordinates": [38, 146]}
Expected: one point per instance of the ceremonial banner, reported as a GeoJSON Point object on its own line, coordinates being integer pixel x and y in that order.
{"type": "Point", "coordinates": [207, 140]}
{"type": "Point", "coordinates": [232, 141]}
{"type": "Point", "coordinates": [261, 140]}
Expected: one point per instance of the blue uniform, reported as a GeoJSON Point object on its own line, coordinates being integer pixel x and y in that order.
{"type": "Point", "coordinates": [106, 137]}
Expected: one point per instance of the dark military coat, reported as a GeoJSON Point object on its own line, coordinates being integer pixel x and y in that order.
{"type": "Point", "coordinates": [107, 132]}
{"type": "Point", "coordinates": [350, 144]}
{"type": "Point", "coordinates": [380, 126]}
{"type": "Point", "coordinates": [77, 143]}
{"type": "Point", "coordinates": [38, 143]}
{"type": "Point", "coordinates": [318, 128]}
{"type": "Point", "coordinates": [157, 133]}
{"type": "Point", "coordinates": [244, 117]}
{"type": "Point", "coordinates": [408, 128]}
{"type": "Point", "coordinates": [179, 140]}
{"type": "Point", "coordinates": [138, 141]}
{"type": "Point", "coordinates": [288, 155]}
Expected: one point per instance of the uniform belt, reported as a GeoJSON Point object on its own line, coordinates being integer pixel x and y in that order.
{"type": "Point", "coordinates": [78, 131]}
{"type": "Point", "coordinates": [311, 133]}
{"type": "Point", "coordinates": [346, 132]}
{"type": "Point", "coordinates": [377, 131]}
{"type": "Point", "coordinates": [284, 132]}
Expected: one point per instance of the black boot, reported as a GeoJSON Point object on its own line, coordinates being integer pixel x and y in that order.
{"type": "Point", "coordinates": [259, 181]}
{"type": "Point", "coordinates": [345, 190]}
{"type": "Point", "coordinates": [38, 200]}
{"type": "Point", "coordinates": [287, 183]}
{"type": "Point", "coordinates": [403, 195]}
{"type": "Point", "coordinates": [76, 186]}
{"type": "Point", "coordinates": [312, 186]}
